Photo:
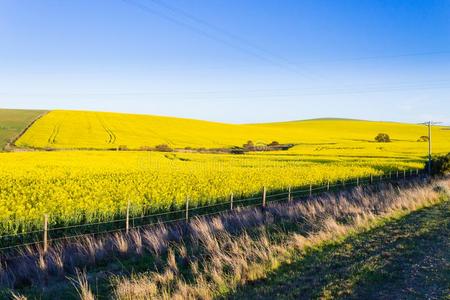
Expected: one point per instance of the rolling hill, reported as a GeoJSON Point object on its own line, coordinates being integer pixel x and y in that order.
{"type": "Point", "coordinates": [97, 130]}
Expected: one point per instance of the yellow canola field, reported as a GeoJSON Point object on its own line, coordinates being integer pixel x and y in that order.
{"type": "Point", "coordinates": [74, 186]}
{"type": "Point", "coordinates": [95, 130]}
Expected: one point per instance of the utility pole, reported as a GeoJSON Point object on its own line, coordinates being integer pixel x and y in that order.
{"type": "Point", "coordinates": [430, 149]}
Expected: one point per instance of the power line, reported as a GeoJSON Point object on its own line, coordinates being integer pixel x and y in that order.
{"type": "Point", "coordinates": [231, 42]}
{"type": "Point", "coordinates": [282, 98]}
{"type": "Point", "coordinates": [285, 62]}
{"type": "Point", "coordinates": [387, 56]}
{"type": "Point", "coordinates": [272, 93]}
{"type": "Point", "coordinates": [222, 31]}
{"type": "Point", "coordinates": [283, 59]}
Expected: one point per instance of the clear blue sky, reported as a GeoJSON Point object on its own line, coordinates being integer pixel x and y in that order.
{"type": "Point", "coordinates": [229, 60]}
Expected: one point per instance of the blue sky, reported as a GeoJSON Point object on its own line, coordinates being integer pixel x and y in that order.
{"type": "Point", "coordinates": [229, 60]}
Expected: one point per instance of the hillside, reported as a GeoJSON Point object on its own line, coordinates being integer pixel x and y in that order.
{"type": "Point", "coordinates": [96, 130]}
{"type": "Point", "coordinates": [13, 122]}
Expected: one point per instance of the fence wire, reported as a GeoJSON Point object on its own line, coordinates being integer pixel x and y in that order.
{"type": "Point", "coordinates": [265, 198]}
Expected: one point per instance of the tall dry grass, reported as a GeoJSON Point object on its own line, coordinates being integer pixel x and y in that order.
{"type": "Point", "coordinates": [81, 285]}
{"type": "Point", "coordinates": [221, 260]}
{"type": "Point", "coordinates": [15, 296]}
{"type": "Point", "coordinates": [213, 255]}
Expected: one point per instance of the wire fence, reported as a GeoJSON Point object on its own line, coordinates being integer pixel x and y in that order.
{"type": "Point", "coordinates": [44, 237]}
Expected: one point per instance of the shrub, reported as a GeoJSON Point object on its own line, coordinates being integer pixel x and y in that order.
{"type": "Point", "coordinates": [249, 145]}
{"type": "Point", "coordinates": [274, 144]}
{"type": "Point", "coordinates": [383, 138]}
{"type": "Point", "coordinates": [423, 138]}
{"type": "Point", "coordinates": [440, 165]}
{"type": "Point", "coordinates": [236, 150]}
{"type": "Point", "coordinates": [163, 148]}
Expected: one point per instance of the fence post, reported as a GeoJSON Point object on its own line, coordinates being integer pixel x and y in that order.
{"type": "Point", "coordinates": [231, 201]}
{"type": "Point", "coordinates": [371, 178]}
{"type": "Point", "coordinates": [411, 172]}
{"type": "Point", "coordinates": [127, 218]}
{"type": "Point", "coordinates": [328, 185]}
{"type": "Point", "coordinates": [390, 174]}
{"type": "Point", "coordinates": [45, 233]}
{"type": "Point", "coordinates": [404, 174]}
{"type": "Point", "coordinates": [289, 194]}
{"type": "Point", "coordinates": [357, 181]}
{"type": "Point", "coordinates": [417, 172]}
{"type": "Point", "coordinates": [343, 183]}
{"type": "Point", "coordinates": [264, 197]}
{"type": "Point", "coordinates": [187, 209]}
{"type": "Point", "coordinates": [310, 190]}
{"type": "Point", "coordinates": [398, 175]}
{"type": "Point", "coordinates": [381, 178]}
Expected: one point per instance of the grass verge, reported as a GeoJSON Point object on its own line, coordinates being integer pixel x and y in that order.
{"type": "Point", "coordinates": [217, 256]}
{"type": "Point", "coordinates": [403, 258]}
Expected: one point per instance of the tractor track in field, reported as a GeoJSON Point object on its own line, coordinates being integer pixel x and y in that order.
{"type": "Point", "coordinates": [55, 132]}
{"type": "Point", "coordinates": [50, 138]}
{"type": "Point", "coordinates": [111, 135]}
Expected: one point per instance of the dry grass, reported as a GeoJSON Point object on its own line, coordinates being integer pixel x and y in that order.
{"type": "Point", "coordinates": [82, 286]}
{"type": "Point", "coordinates": [15, 296]}
{"type": "Point", "coordinates": [212, 256]}
{"type": "Point", "coordinates": [227, 261]}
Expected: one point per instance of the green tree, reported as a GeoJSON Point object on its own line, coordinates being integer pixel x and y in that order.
{"type": "Point", "coordinates": [383, 138]}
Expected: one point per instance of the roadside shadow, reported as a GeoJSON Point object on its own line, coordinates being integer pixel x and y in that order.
{"type": "Point", "coordinates": [403, 259]}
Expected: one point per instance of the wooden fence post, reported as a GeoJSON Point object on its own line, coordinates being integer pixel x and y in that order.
{"type": "Point", "coordinates": [371, 178]}
{"type": "Point", "coordinates": [45, 233]}
{"type": "Point", "coordinates": [417, 172]}
{"type": "Point", "coordinates": [187, 209]}
{"type": "Point", "coordinates": [404, 174]}
{"type": "Point", "coordinates": [343, 183]}
{"type": "Point", "coordinates": [264, 197]}
{"type": "Point", "coordinates": [289, 194]}
{"type": "Point", "coordinates": [231, 201]}
{"type": "Point", "coordinates": [357, 181]}
{"type": "Point", "coordinates": [310, 190]}
{"type": "Point", "coordinates": [390, 174]}
{"type": "Point", "coordinates": [127, 218]}
{"type": "Point", "coordinates": [398, 175]}
{"type": "Point", "coordinates": [328, 185]}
